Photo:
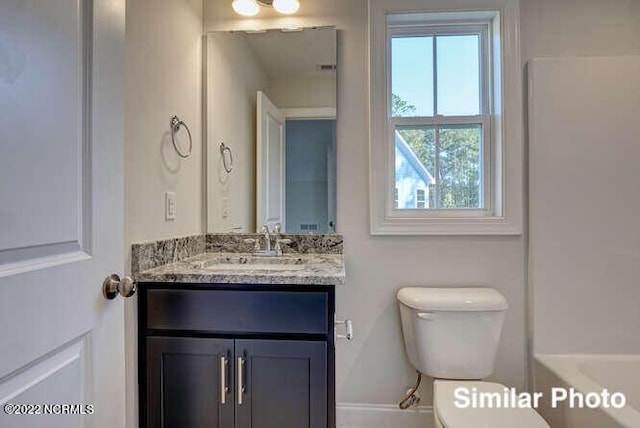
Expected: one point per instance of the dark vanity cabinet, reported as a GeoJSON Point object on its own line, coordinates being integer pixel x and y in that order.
{"type": "Point", "coordinates": [183, 378]}
{"type": "Point", "coordinates": [244, 356]}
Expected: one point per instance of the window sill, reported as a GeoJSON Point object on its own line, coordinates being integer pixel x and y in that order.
{"type": "Point", "coordinates": [458, 226]}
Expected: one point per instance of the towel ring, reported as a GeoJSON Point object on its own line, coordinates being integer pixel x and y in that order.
{"type": "Point", "coordinates": [176, 123]}
{"type": "Point", "coordinates": [224, 148]}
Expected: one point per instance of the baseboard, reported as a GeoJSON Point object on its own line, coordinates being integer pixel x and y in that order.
{"type": "Point", "coordinates": [350, 415]}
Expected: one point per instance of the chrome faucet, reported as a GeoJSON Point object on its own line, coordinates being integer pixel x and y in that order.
{"type": "Point", "coordinates": [268, 236]}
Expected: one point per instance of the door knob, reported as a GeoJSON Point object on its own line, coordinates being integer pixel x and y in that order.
{"type": "Point", "coordinates": [113, 285]}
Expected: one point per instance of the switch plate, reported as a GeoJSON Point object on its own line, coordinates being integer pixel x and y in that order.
{"type": "Point", "coordinates": [169, 205]}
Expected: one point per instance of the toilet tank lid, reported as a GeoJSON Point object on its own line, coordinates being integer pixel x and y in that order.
{"type": "Point", "coordinates": [453, 299]}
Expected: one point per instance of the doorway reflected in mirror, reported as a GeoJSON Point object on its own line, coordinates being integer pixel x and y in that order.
{"type": "Point", "coordinates": [310, 175]}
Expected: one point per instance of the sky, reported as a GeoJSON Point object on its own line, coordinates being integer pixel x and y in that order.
{"type": "Point", "coordinates": [458, 73]}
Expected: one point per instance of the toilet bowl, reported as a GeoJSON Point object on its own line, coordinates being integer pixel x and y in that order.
{"type": "Point", "coordinates": [448, 415]}
{"type": "Point", "coordinates": [452, 335]}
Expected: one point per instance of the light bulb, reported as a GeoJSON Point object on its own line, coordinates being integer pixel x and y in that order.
{"type": "Point", "coordinates": [246, 7]}
{"type": "Point", "coordinates": [286, 6]}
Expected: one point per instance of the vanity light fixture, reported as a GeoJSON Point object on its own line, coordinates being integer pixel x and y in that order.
{"type": "Point", "coordinates": [245, 7]}
{"type": "Point", "coordinates": [252, 7]}
{"type": "Point", "coordinates": [286, 7]}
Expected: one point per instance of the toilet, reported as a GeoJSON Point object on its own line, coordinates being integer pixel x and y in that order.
{"type": "Point", "coordinates": [452, 335]}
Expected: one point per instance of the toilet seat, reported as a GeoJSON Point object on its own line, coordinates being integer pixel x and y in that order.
{"type": "Point", "coordinates": [450, 416]}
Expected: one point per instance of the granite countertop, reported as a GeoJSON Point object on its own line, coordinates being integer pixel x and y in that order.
{"type": "Point", "coordinates": [234, 268]}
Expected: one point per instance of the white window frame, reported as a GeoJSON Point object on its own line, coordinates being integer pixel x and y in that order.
{"type": "Point", "coordinates": [502, 185]}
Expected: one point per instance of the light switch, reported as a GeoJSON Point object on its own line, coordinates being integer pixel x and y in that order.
{"type": "Point", "coordinates": [169, 205]}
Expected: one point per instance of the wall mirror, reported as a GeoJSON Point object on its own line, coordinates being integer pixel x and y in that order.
{"type": "Point", "coordinates": [271, 100]}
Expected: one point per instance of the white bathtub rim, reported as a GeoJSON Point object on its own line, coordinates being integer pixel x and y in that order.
{"type": "Point", "coordinates": [566, 368]}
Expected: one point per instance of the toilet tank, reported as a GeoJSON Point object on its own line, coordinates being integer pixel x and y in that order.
{"type": "Point", "coordinates": [452, 333]}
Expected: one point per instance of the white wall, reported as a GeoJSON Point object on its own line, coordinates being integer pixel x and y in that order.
{"type": "Point", "coordinates": [163, 78]}
{"type": "Point", "coordinates": [373, 368]}
{"type": "Point", "coordinates": [234, 76]}
{"type": "Point", "coordinates": [552, 28]}
{"type": "Point", "coordinates": [306, 92]}
{"type": "Point", "coordinates": [564, 28]}
{"type": "Point", "coordinates": [584, 256]}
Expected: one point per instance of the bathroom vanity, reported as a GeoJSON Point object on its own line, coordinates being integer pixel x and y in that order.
{"type": "Point", "coordinates": [227, 339]}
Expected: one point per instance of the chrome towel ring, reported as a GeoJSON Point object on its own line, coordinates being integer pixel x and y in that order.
{"type": "Point", "coordinates": [224, 148]}
{"type": "Point", "coordinates": [176, 124]}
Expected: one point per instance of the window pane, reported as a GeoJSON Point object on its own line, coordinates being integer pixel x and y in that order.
{"type": "Point", "coordinates": [415, 162]}
{"type": "Point", "coordinates": [458, 65]}
{"type": "Point", "coordinates": [412, 76]}
{"type": "Point", "coordinates": [460, 166]}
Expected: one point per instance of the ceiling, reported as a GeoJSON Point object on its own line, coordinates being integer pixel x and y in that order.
{"type": "Point", "coordinates": [295, 54]}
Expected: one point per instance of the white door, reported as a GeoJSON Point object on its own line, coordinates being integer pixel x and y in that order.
{"type": "Point", "coordinates": [61, 211]}
{"type": "Point", "coordinates": [270, 164]}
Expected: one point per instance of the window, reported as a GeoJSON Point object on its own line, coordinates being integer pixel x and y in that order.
{"type": "Point", "coordinates": [439, 104]}
{"type": "Point", "coordinates": [421, 198]}
{"type": "Point", "coordinates": [440, 86]}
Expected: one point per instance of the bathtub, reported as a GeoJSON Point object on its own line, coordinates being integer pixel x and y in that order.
{"type": "Point", "coordinates": [589, 373]}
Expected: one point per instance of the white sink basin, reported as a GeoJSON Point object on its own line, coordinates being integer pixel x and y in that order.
{"type": "Point", "coordinates": [254, 266]}
{"type": "Point", "coordinates": [246, 262]}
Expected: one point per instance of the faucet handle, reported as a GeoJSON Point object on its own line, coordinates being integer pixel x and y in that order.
{"type": "Point", "coordinates": [279, 243]}
{"type": "Point", "coordinates": [255, 242]}
{"type": "Point", "coordinates": [264, 229]}
{"type": "Point", "coordinates": [277, 228]}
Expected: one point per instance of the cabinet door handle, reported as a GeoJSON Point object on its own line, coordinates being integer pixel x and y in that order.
{"type": "Point", "coordinates": [240, 380]}
{"type": "Point", "coordinates": [223, 380]}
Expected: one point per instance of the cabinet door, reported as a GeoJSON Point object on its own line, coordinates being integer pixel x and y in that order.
{"type": "Point", "coordinates": [284, 383]}
{"type": "Point", "coordinates": [185, 378]}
